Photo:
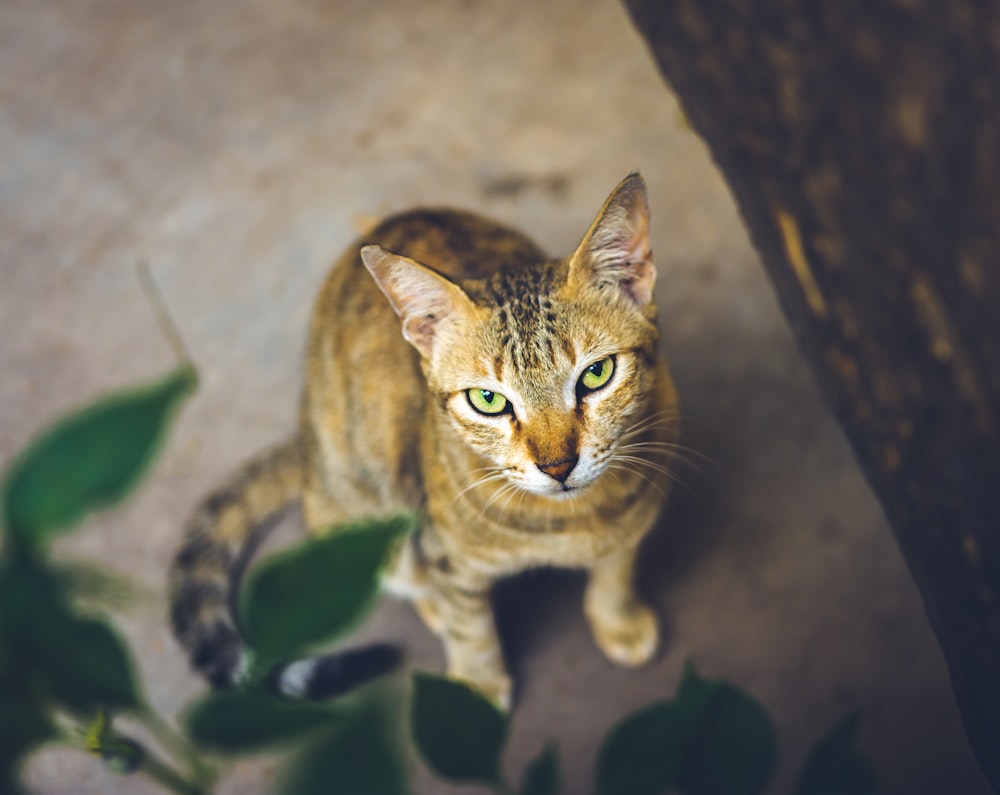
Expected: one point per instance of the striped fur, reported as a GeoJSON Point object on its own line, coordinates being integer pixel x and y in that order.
{"type": "Point", "coordinates": [564, 477]}
{"type": "Point", "coordinates": [219, 539]}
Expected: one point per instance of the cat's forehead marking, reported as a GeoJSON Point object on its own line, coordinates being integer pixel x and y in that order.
{"type": "Point", "coordinates": [527, 319]}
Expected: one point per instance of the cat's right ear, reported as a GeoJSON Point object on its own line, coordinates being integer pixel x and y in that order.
{"type": "Point", "coordinates": [423, 299]}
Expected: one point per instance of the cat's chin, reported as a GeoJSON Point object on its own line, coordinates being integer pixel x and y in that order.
{"type": "Point", "coordinates": [564, 493]}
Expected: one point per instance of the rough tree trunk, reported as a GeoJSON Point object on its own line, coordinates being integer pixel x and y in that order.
{"type": "Point", "coordinates": [861, 139]}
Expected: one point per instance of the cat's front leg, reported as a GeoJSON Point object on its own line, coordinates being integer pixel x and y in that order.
{"type": "Point", "coordinates": [468, 630]}
{"type": "Point", "coordinates": [625, 628]}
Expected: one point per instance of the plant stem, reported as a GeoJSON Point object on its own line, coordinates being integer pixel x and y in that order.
{"type": "Point", "coordinates": [176, 745]}
{"type": "Point", "coordinates": [163, 317]}
{"type": "Point", "coordinates": [159, 771]}
{"type": "Point", "coordinates": [169, 778]}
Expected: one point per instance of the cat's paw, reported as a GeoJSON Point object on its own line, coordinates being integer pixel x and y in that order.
{"type": "Point", "coordinates": [497, 688]}
{"type": "Point", "coordinates": [628, 637]}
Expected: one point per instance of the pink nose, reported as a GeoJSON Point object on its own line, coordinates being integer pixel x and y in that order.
{"type": "Point", "coordinates": [559, 469]}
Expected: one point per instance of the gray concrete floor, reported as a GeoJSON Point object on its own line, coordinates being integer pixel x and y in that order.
{"type": "Point", "coordinates": [236, 146]}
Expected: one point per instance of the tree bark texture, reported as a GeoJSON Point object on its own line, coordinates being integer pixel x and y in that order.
{"type": "Point", "coordinates": [861, 139]}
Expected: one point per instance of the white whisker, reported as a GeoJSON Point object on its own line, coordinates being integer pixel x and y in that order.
{"type": "Point", "coordinates": [632, 459]}
{"type": "Point", "coordinates": [674, 447]}
{"type": "Point", "coordinates": [639, 474]}
{"type": "Point", "coordinates": [480, 482]}
{"type": "Point", "coordinates": [659, 419]}
{"type": "Point", "coordinates": [505, 490]}
{"type": "Point", "coordinates": [662, 451]}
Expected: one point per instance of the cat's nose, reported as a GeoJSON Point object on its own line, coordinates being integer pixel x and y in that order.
{"type": "Point", "coordinates": [559, 469]}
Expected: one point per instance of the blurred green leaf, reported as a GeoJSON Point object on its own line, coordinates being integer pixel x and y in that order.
{"type": "Point", "coordinates": [313, 592]}
{"type": "Point", "coordinates": [458, 732]}
{"type": "Point", "coordinates": [245, 722]}
{"type": "Point", "coordinates": [362, 757]}
{"type": "Point", "coordinates": [25, 719]}
{"type": "Point", "coordinates": [87, 664]}
{"type": "Point", "coordinates": [25, 723]}
{"type": "Point", "coordinates": [642, 755]}
{"type": "Point", "coordinates": [835, 766]}
{"type": "Point", "coordinates": [84, 663]}
{"type": "Point", "coordinates": [90, 459]}
{"type": "Point", "coordinates": [734, 748]}
{"type": "Point", "coordinates": [542, 775]}
{"type": "Point", "coordinates": [646, 752]}
{"type": "Point", "coordinates": [29, 592]}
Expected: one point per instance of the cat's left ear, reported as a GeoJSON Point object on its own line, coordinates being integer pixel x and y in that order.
{"type": "Point", "coordinates": [615, 252]}
{"type": "Point", "coordinates": [423, 299]}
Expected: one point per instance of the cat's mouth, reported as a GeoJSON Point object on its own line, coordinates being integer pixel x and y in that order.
{"type": "Point", "coordinates": [556, 492]}
{"type": "Point", "coordinates": [567, 492]}
{"type": "Point", "coordinates": [561, 486]}
{"type": "Point", "coordinates": [575, 486]}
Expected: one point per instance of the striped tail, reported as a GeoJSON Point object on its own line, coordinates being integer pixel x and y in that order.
{"type": "Point", "coordinates": [220, 537]}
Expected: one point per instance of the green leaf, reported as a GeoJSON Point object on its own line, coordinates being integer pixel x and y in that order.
{"type": "Point", "coordinates": [25, 715]}
{"type": "Point", "coordinates": [458, 732]}
{"type": "Point", "coordinates": [90, 459]}
{"type": "Point", "coordinates": [244, 722]}
{"type": "Point", "coordinates": [83, 661]}
{"type": "Point", "coordinates": [317, 590]}
{"type": "Point", "coordinates": [25, 723]}
{"type": "Point", "coordinates": [29, 592]}
{"type": "Point", "coordinates": [87, 664]}
{"type": "Point", "coordinates": [361, 757]}
{"type": "Point", "coordinates": [734, 749]}
{"type": "Point", "coordinates": [835, 766]}
{"type": "Point", "coordinates": [542, 775]}
{"type": "Point", "coordinates": [642, 754]}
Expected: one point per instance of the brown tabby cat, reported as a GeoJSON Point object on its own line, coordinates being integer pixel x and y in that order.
{"type": "Point", "coordinates": [523, 415]}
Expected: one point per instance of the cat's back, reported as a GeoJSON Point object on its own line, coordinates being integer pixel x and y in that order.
{"type": "Point", "coordinates": [461, 245]}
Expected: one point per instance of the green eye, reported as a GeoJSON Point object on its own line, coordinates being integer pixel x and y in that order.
{"type": "Point", "coordinates": [486, 402]}
{"type": "Point", "coordinates": [597, 375]}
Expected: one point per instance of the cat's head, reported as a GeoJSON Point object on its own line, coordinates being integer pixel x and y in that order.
{"type": "Point", "coordinates": [541, 369]}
